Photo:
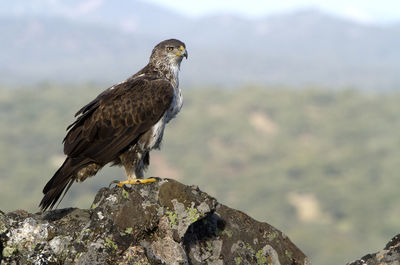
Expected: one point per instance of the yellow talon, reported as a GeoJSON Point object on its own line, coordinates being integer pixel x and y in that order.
{"type": "Point", "coordinates": [136, 181]}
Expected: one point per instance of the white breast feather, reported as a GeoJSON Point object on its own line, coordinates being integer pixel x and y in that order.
{"type": "Point", "coordinates": [175, 107]}
{"type": "Point", "coordinates": [157, 133]}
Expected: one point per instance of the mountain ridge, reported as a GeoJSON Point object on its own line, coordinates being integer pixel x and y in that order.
{"type": "Point", "coordinates": [302, 48]}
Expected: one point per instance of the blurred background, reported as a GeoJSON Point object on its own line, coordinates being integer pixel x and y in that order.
{"type": "Point", "coordinates": [291, 109]}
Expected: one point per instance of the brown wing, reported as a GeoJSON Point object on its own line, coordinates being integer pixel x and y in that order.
{"type": "Point", "coordinates": [116, 118]}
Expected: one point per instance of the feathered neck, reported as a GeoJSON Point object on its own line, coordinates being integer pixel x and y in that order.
{"type": "Point", "coordinates": [162, 69]}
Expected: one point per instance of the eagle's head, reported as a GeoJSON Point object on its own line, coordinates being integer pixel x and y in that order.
{"type": "Point", "coordinates": [169, 53]}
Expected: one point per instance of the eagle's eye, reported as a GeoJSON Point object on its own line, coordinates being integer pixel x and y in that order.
{"type": "Point", "coordinates": [170, 49]}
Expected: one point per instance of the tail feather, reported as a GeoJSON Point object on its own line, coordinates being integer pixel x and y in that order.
{"type": "Point", "coordinates": [61, 181]}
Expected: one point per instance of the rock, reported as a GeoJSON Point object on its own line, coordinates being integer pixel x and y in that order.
{"type": "Point", "coordinates": [159, 223]}
{"type": "Point", "coordinates": [390, 255]}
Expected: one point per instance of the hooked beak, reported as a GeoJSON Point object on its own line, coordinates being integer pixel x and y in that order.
{"type": "Point", "coordinates": [183, 52]}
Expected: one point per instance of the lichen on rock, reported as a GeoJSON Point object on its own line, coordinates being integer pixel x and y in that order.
{"type": "Point", "coordinates": [159, 223]}
{"type": "Point", "coordinates": [390, 255]}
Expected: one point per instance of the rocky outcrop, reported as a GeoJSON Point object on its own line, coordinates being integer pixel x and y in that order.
{"type": "Point", "coordinates": [390, 255]}
{"type": "Point", "coordinates": [160, 223]}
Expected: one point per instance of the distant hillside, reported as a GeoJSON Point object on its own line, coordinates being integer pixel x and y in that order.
{"type": "Point", "coordinates": [105, 41]}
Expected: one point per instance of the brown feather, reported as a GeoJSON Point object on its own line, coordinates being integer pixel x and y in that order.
{"type": "Point", "coordinates": [61, 181]}
{"type": "Point", "coordinates": [143, 101]}
{"type": "Point", "coordinates": [109, 127]}
{"type": "Point", "coordinates": [106, 127]}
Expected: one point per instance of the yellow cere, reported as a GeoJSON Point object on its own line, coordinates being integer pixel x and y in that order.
{"type": "Point", "coordinates": [181, 48]}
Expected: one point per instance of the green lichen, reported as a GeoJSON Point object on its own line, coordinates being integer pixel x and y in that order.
{"type": "Point", "coordinates": [288, 254]}
{"type": "Point", "coordinates": [193, 214]}
{"type": "Point", "coordinates": [85, 234]}
{"type": "Point", "coordinates": [8, 251]}
{"type": "Point", "coordinates": [261, 258]}
{"type": "Point", "coordinates": [227, 233]}
{"type": "Point", "coordinates": [110, 244]}
{"type": "Point", "coordinates": [272, 236]}
{"type": "Point", "coordinates": [94, 205]}
{"type": "Point", "coordinates": [238, 260]}
{"type": "Point", "coordinates": [128, 230]}
{"type": "Point", "coordinates": [172, 217]}
{"type": "Point", "coordinates": [125, 194]}
{"type": "Point", "coordinates": [247, 245]}
{"type": "Point", "coordinates": [209, 246]}
{"type": "Point", "coordinates": [3, 227]}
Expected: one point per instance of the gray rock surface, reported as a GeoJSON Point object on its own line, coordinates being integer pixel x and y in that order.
{"type": "Point", "coordinates": [390, 255]}
{"type": "Point", "coordinates": [160, 223]}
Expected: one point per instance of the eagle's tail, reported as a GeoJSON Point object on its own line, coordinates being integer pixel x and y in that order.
{"type": "Point", "coordinates": [61, 181]}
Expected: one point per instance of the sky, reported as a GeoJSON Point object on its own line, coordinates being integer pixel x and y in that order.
{"type": "Point", "coordinates": [369, 11]}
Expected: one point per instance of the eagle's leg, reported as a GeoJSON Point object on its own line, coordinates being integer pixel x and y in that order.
{"type": "Point", "coordinates": [136, 181]}
{"type": "Point", "coordinates": [138, 176]}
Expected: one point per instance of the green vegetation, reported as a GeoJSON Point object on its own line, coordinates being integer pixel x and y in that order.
{"type": "Point", "coordinates": [322, 166]}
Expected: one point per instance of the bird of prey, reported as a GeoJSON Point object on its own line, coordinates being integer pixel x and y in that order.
{"type": "Point", "coordinates": [122, 124]}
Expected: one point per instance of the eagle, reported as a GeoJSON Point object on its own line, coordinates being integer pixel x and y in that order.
{"type": "Point", "coordinates": [122, 124]}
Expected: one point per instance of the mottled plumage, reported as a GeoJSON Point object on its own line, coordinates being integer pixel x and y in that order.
{"type": "Point", "coordinates": [122, 124]}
